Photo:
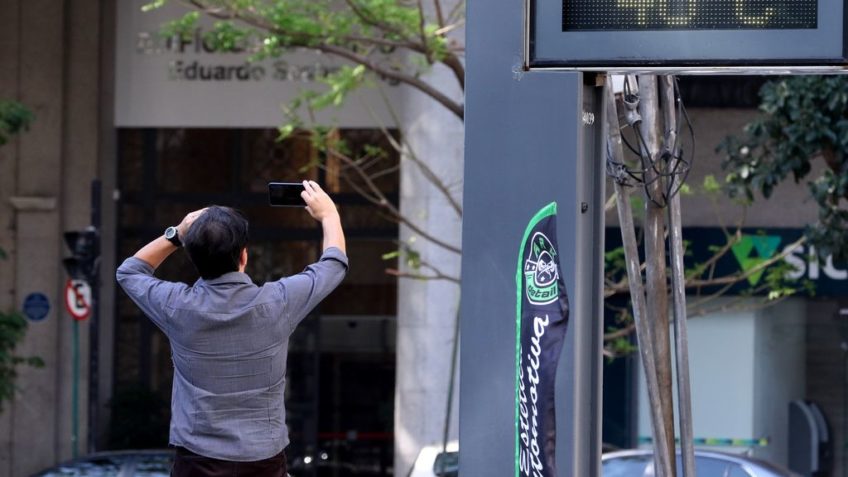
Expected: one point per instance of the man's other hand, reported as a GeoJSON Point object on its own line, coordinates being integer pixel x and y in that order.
{"type": "Point", "coordinates": [189, 219]}
{"type": "Point", "coordinates": [319, 205]}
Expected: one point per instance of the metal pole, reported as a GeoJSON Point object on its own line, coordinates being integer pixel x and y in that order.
{"type": "Point", "coordinates": [678, 284]}
{"type": "Point", "coordinates": [94, 335]}
{"type": "Point", "coordinates": [663, 462]}
{"type": "Point", "coordinates": [451, 377]}
{"type": "Point", "coordinates": [75, 394]}
{"type": "Point", "coordinates": [655, 272]}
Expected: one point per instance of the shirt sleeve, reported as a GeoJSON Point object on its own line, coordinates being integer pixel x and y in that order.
{"type": "Point", "coordinates": [151, 294]}
{"type": "Point", "coordinates": [302, 292]}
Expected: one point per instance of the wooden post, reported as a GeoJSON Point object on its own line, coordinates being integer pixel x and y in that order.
{"type": "Point", "coordinates": [678, 284]}
{"type": "Point", "coordinates": [663, 461]}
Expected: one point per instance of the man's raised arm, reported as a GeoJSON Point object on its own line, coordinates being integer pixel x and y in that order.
{"type": "Point", "coordinates": [321, 207]}
{"type": "Point", "coordinates": [155, 252]}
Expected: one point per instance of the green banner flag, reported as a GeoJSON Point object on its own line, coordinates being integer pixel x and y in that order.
{"type": "Point", "coordinates": [541, 322]}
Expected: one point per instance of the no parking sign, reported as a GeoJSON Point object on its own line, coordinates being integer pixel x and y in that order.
{"type": "Point", "coordinates": [78, 299]}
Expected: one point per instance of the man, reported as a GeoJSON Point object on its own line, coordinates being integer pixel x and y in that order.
{"type": "Point", "coordinates": [229, 337]}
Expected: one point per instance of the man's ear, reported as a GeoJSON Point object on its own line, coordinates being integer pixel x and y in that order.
{"type": "Point", "coordinates": [243, 259]}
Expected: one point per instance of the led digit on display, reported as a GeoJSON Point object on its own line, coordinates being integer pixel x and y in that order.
{"type": "Point", "coordinates": [626, 15]}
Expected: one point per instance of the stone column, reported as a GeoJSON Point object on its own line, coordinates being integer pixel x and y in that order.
{"type": "Point", "coordinates": [427, 310]}
{"type": "Point", "coordinates": [34, 411]}
{"type": "Point", "coordinates": [51, 64]}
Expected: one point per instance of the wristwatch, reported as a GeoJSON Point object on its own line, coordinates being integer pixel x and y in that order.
{"type": "Point", "coordinates": [173, 236]}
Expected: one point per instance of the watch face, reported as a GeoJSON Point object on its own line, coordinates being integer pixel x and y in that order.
{"type": "Point", "coordinates": [170, 233]}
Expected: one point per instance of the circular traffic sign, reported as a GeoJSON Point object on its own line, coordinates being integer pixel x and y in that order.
{"type": "Point", "coordinates": [36, 306]}
{"type": "Point", "coordinates": [78, 299]}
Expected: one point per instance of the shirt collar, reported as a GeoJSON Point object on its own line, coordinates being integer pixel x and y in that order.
{"type": "Point", "coordinates": [229, 277]}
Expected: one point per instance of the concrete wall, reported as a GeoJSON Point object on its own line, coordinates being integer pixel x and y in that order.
{"type": "Point", "coordinates": [746, 367]}
{"type": "Point", "coordinates": [827, 370]}
{"type": "Point", "coordinates": [722, 395]}
{"type": "Point", "coordinates": [51, 62]}
{"type": "Point", "coordinates": [780, 373]}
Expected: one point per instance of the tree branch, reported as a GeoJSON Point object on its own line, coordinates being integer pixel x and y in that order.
{"type": "Point", "coordinates": [427, 54]}
{"type": "Point", "coordinates": [421, 276]}
{"type": "Point", "coordinates": [453, 106]}
{"type": "Point", "coordinates": [738, 277]}
{"type": "Point", "coordinates": [379, 199]}
{"type": "Point", "coordinates": [440, 18]}
{"type": "Point", "coordinates": [409, 153]}
{"type": "Point", "coordinates": [452, 61]}
{"type": "Point", "coordinates": [305, 41]}
{"type": "Point", "coordinates": [370, 20]}
{"type": "Point", "coordinates": [620, 333]}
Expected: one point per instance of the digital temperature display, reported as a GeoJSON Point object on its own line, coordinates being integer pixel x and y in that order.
{"type": "Point", "coordinates": [687, 36]}
{"type": "Point", "coordinates": [627, 15]}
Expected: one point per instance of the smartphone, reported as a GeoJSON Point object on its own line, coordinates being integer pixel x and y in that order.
{"type": "Point", "coordinates": [285, 194]}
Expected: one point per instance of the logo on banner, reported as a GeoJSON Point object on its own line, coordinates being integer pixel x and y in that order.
{"type": "Point", "coordinates": [541, 324]}
{"type": "Point", "coordinates": [541, 271]}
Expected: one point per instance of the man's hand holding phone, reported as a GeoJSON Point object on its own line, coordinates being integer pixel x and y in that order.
{"type": "Point", "coordinates": [319, 205]}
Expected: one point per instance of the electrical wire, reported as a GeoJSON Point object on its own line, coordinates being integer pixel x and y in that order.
{"type": "Point", "coordinates": [671, 167]}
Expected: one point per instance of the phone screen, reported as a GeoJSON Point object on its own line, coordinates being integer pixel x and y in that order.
{"type": "Point", "coordinates": [285, 194]}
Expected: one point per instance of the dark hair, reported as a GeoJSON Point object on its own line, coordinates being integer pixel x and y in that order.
{"type": "Point", "coordinates": [215, 240]}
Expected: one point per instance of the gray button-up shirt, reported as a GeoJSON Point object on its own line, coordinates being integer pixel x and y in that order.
{"type": "Point", "coordinates": [229, 341]}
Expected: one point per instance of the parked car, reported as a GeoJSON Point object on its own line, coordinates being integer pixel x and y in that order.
{"type": "Point", "coordinates": [433, 462]}
{"type": "Point", "coordinates": [640, 463]}
{"type": "Point", "coordinates": [131, 463]}
{"type": "Point", "coordinates": [135, 463]}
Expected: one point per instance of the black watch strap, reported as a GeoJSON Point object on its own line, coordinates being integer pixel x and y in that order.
{"type": "Point", "coordinates": [173, 236]}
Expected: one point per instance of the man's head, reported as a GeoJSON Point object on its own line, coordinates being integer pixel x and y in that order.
{"type": "Point", "coordinates": [216, 240]}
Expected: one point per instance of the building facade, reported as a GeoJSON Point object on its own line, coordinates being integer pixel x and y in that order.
{"type": "Point", "coordinates": [170, 126]}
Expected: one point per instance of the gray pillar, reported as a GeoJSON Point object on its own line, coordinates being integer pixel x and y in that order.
{"type": "Point", "coordinates": [427, 310]}
{"type": "Point", "coordinates": [51, 53]}
{"type": "Point", "coordinates": [528, 143]}
{"type": "Point", "coordinates": [34, 411]}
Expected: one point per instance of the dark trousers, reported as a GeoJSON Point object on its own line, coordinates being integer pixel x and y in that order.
{"type": "Point", "coordinates": [189, 464]}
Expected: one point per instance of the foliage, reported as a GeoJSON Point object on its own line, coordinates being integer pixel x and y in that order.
{"type": "Point", "coordinates": [804, 118]}
{"type": "Point", "coordinates": [379, 40]}
{"type": "Point", "coordinates": [13, 327]}
{"type": "Point", "coordinates": [706, 281]}
{"type": "Point", "coordinates": [14, 118]}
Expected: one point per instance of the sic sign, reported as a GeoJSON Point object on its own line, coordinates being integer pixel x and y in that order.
{"type": "Point", "coordinates": [697, 35]}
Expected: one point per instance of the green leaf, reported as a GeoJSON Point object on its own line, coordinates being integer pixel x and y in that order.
{"type": "Point", "coordinates": [391, 255]}
{"type": "Point", "coordinates": [711, 184]}
{"type": "Point", "coordinates": [805, 118]}
{"type": "Point", "coordinates": [14, 118]}
{"type": "Point", "coordinates": [156, 4]}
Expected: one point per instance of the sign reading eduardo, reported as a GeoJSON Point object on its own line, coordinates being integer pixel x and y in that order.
{"type": "Point", "coordinates": [541, 321]}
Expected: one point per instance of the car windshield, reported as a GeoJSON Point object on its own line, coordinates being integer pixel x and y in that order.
{"type": "Point", "coordinates": [142, 464]}
{"type": "Point", "coordinates": [627, 466]}
{"type": "Point", "coordinates": [153, 466]}
{"type": "Point", "coordinates": [98, 467]}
